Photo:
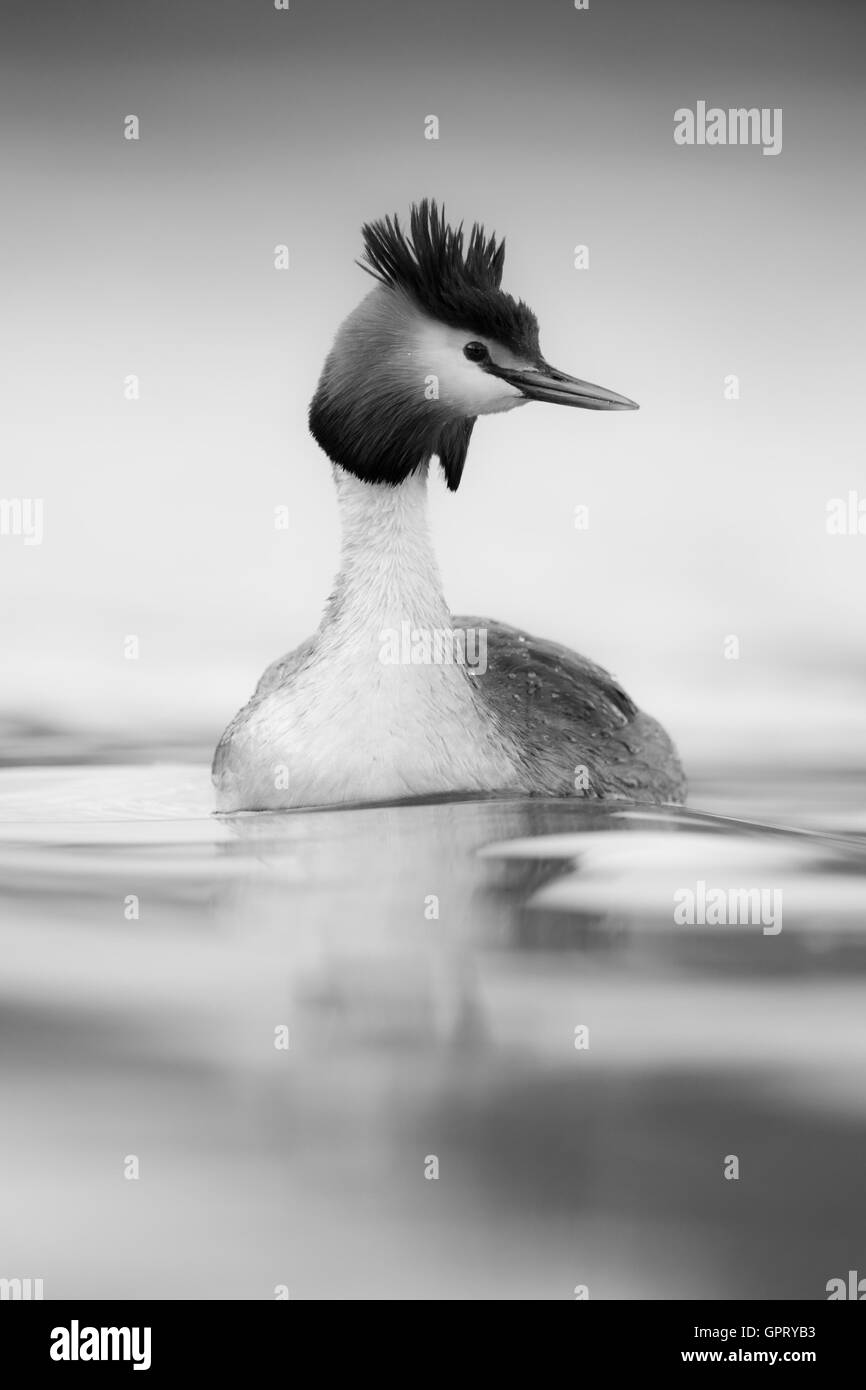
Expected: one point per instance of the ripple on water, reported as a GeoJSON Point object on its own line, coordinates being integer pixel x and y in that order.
{"type": "Point", "coordinates": [432, 961]}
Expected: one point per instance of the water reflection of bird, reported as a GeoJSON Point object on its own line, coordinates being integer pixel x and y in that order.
{"type": "Point", "coordinates": [393, 696]}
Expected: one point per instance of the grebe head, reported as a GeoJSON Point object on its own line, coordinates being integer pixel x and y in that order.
{"type": "Point", "coordinates": [436, 344]}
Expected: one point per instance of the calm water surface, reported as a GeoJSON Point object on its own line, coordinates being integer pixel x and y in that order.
{"type": "Point", "coordinates": [431, 962]}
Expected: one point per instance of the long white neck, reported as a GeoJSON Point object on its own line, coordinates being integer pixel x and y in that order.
{"type": "Point", "coordinates": [368, 710]}
{"type": "Point", "coordinates": [388, 572]}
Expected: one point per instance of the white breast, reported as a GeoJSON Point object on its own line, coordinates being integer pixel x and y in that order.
{"type": "Point", "coordinates": [366, 717]}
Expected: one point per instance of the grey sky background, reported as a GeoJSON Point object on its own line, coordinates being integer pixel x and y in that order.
{"type": "Point", "coordinates": [707, 516]}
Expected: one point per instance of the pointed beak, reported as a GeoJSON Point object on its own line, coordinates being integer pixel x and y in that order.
{"type": "Point", "coordinates": [545, 383]}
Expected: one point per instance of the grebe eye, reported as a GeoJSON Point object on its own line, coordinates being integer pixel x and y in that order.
{"type": "Point", "coordinates": [476, 352]}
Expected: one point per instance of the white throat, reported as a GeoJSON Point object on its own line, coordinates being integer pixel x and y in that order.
{"type": "Point", "coordinates": [388, 572]}
{"type": "Point", "coordinates": [348, 722]}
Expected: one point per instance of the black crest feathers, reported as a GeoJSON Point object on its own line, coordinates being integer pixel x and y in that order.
{"type": "Point", "coordinates": [452, 279]}
{"type": "Point", "coordinates": [370, 417]}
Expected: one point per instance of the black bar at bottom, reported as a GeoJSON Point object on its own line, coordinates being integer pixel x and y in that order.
{"type": "Point", "coordinates": [214, 1338]}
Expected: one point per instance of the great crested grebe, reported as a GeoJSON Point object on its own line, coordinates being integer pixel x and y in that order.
{"type": "Point", "coordinates": [384, 701]}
